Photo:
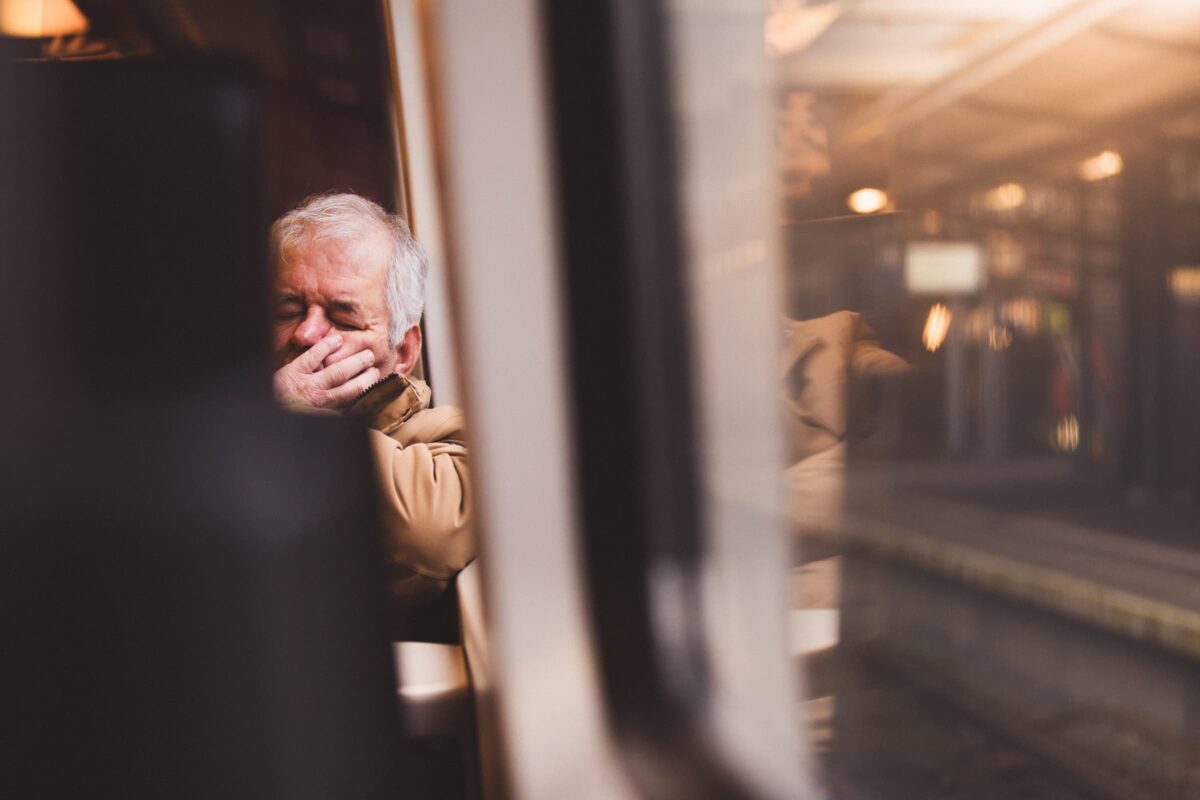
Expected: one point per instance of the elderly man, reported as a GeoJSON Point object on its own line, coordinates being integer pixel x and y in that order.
{"type": "Point", "coordinates": [349, 291]}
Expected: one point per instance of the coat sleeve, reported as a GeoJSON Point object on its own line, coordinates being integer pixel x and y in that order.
{"type": "Point", "coordinates": [426, 491]}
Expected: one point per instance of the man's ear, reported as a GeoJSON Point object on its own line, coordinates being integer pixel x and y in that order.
{"type": "Point", "coordinates": [409, 350]}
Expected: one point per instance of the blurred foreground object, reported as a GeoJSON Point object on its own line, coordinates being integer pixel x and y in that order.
{"type": "Point", "coordinates": [190, 583]}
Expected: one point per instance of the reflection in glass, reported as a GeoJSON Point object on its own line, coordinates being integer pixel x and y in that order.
{"type": "Point", "coordinates": [996, 578]}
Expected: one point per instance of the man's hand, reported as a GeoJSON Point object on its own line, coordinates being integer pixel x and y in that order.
{"type": "Point", "coordinates": [309, 381]}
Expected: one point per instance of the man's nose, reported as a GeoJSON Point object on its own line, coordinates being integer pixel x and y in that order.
{"type": "Point", "coordinates": [313, 328]}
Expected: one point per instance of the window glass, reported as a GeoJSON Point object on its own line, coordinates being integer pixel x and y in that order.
{"type": "Point", "coordinates": [986, 359]}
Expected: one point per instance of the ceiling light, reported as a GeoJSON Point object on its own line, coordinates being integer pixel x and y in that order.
{"type": "Point", "coordinates": [1099, 167]}
{"type": "Point", "coordinates": [1005, 197]}
{"type": "Point", "coordinates": [867, 201]}
{"type": "Point", "coordinates": [41, 19]}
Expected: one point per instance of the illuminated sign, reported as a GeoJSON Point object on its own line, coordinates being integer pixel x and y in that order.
{"type": "Point", "coordinates": [944, 267]}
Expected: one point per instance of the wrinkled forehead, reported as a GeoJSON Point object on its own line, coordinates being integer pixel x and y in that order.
{"type": "Point", "coordinates": [359, 255]}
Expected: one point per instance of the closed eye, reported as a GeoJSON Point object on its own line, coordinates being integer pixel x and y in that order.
{"type": "Point", "coordinates": [288, 306]}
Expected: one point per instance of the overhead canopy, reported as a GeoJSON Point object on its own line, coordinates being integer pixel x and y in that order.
{"type": "Point", "coordinates": [967, 85]}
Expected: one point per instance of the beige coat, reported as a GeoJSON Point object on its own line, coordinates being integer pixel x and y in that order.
{"type": "Point", "coordinates": [820, 359]}
{"type": "Point", "coordinates": [420, 456]}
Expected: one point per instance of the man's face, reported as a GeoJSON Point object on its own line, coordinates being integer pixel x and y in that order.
{"type": "Point", "coordinates": [330, 285]}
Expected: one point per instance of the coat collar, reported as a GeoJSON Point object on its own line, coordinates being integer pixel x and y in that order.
{"type": "Point", "coordinates": [391, 402]}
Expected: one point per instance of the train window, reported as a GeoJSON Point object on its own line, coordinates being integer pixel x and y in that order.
{"type": "Point", "coordinates": [986, 358]}
{"type": "Point", "coordinates": [844, 442]}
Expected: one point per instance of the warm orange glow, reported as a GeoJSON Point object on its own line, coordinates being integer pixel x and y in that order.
{"type": "Point", "coordinates": [999, 337]}
{"type": "Point", "coordinates": [1104, 165]}
{"type": "Point", "coordinates": [1065, 437]}
{"type": "Point", "coordinates": [867, 201]}
{"type": "Point", "coordinates": [1185, 283]}
{"type": "Point", "coordinates": [1005, 197]}
{"type": "Point", "coordinates": [937, 325]}
{"type": "Point", "coordinates": [36, 19]}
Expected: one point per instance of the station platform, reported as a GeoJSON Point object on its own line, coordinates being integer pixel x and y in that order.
{"type": "Point", "coordinates": [1033, 533]}
{"type": "Point", "coordinates": [1076, 643]}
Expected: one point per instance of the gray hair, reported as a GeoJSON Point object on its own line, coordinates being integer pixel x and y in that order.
{"type": "Point", "coordinates": [348, 217]}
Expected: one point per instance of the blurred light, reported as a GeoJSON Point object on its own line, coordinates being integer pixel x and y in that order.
{"type": "Point", "coordinates": [943, 267]}
{"type": "Point", "coordinates": [1024, 314]}
{"type": "Point", "coordinates": [999, 337]}
{"type": "Point", "coordinates": [867, 201]}
{"type": "Point", "coordinates": [1005, 197]}
{"type": "Point", "coordinates": [937, 325]}
{"type": "Point", "coordinates": [37, 19]}
{"type": "Point", "coordinates": [1105, 165]}
{"type": "Point", "coordinates": [1058, 318]}
{"type": "Point", "coordinates": [1185, 283]}
{"type": "Point", "coordinates": [1065, 437]}
{"type": "Point", "coordinates": [791, 26]}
